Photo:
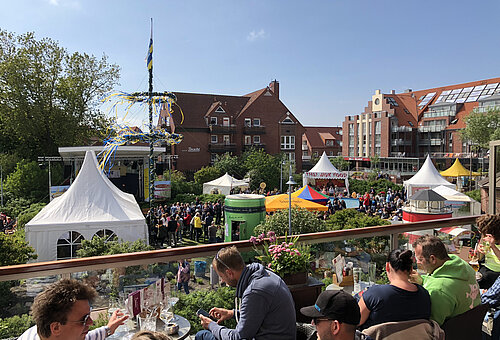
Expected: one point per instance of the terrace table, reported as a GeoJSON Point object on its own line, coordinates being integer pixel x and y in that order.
{"type": "Point", "coordinates": [184, 328]}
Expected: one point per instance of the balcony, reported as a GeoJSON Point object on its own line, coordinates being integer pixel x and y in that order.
{"type": "Point", "coordinates": [222, 129]}
{"type": "Point", "coordinates": [222, 147]}
{"type": "Point", "coordinates": [254, 130]}
{"type": "Point", "coordinates": [306, 158]}
{"type": "Point", "coordinates": [247, 147]}
{"type": "Point", "coordinates": [431, 128]}
{"type": "Point", "coordinates": [401, 129]}
{"type": "Point", "coordinates": [136, 270]}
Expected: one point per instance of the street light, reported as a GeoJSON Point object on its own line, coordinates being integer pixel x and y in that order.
{"type": "Point", "coordinates": [290, 183]}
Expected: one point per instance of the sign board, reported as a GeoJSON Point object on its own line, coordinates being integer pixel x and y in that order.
{"type": "Point", "coordinates": [163, 190]}
{"type": "Point", "coordinates": [56, 191]}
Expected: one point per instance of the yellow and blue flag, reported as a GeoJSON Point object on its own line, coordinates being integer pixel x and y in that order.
{"type": "Point", "coordinates": [150, 51]}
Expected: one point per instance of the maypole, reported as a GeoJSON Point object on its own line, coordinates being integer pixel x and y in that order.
{"type": "Point", "coordinates": [150, 101]}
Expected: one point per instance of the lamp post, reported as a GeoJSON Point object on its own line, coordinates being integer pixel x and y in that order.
{"type": "Point", "coordinates": [290, 183]}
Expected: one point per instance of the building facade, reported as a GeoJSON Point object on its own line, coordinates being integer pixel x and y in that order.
{"type": "Point", "coordinates": [216, 124]}
{"type": "Point", "coordinates": [316, 140]}
{"type": "Point", "coordinates": [413, 124]}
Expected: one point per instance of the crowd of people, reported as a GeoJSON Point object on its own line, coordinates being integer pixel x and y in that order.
{"type": "Point", "coordinates": [7, 224]}
{"type": "Point", "coordinates": [169, 224]}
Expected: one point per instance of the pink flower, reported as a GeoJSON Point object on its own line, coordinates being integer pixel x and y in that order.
{"type": "Point", "coordinates": [253, 239]}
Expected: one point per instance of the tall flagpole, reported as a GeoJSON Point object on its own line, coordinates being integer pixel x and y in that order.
{"type": "Point", "coordinates": [150, 101]}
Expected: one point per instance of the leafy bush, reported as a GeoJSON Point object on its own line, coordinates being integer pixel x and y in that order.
{"type": "Point", "coordinates": [28, 214]}
{"type": "Point", "coordinates": [206, 174]}
{"type": "Point", "coordinates": [474, 194]}
{"type": "Point", "coordinates": [185, 198]}
{"type": "Point", "coordinates": [206, 299]}
{"type": "Point", "coordinates": [303, 222]}
{"type": "Point", "coordinates": [184, 187]}
{"type": "Point", "coordinates": [28, 181]}
{"type": "Point", "coordinates": [15, 206]}
{"type": "Point", "coordinates": [97, 247]}
{"type": "Point", "coordinates": [15, 326]}
{"type": "Point", "coordinates": [351, 219]}
{"type": "Point", "coordinates": [14, 249]}
{"type": "Point", "coordinates": [211, 197]}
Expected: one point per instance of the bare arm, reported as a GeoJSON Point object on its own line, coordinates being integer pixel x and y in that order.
{"type": "Point", "coordinates": [365, 312]}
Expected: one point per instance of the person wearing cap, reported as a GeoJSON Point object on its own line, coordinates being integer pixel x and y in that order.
{"type": "Point", "coordinates": [335, 315]}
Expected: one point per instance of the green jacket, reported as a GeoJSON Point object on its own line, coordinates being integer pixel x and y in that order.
{"type": "Point", "coordinates": [453, 289]}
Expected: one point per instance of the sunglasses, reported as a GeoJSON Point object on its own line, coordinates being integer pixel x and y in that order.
{"type": "Point", "coordinates": [317, 320]}
{"type": "Point", "coordinates": [87, 320]}
{"type": "Point", "coordinates": [219, 260]}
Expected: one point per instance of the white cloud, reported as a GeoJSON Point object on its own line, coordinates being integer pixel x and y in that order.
{"type": "Point", "coordinates": [74, 4]}
{"type": "Point", "coordinates": [253, 36]}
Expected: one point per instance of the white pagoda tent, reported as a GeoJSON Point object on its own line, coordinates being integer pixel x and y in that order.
{"type": "Point", "coordinates": [324, 169]}
{"type": "Point", "coordinates": [223, 185]}
{"type": "Point", "coordinates": [426, 178]}
{"type": "Point", "coordinates": [93, 205]}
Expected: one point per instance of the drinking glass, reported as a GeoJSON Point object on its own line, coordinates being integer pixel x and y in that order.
{"type": "Point", "coordinates": [356, 273]}
{"type": "Point", "coordinates": [372, 268]}
{"type": "Point", "coordinates": [147, 322]}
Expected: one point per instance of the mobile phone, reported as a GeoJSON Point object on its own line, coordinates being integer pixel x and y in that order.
{"type": "Point", "coordinates": [204, 313]}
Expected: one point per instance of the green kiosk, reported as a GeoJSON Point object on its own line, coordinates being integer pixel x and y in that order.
{"type": "Point", "coordinates": [243, 212]}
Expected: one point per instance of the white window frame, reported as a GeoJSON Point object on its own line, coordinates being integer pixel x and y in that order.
{"type": "Point", "coordinates": [256, 139]}
{"type": "Point", "coordinates": [287, 142]}
{"type": "Point", "coordinates": [214, 139]}
{"type": "Point", "coordinates": [226, 121]}
{"type": "Point", "coordinates": [213, 120]}
{"type": "Point", "coordinates": [256, 122]}
{"type": "Point", "coordinates": [248, 140]}
{"type": "Point", "coordinates": [248, 122]}
{"type": "Point", "coordinates": [226, 139]}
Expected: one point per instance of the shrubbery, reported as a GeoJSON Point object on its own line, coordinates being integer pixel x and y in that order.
{"type": "Point", "coordinates": [15, 326]}
{"type": "Point", "coordinates": [206, 299]}
{"type": "Point", "coordinates": [97, 247]}
{"type": "Point", "coordinates": [303, 222]}
{"type": "Point", "coordinates": [28, 214]}
{"type": "Point", "coordinates": [362, 186]}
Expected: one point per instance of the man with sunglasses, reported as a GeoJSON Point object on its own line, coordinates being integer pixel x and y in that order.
{"type": "Point", "coordinates": [335, 315]}
{"type": "Point", "coordinates": [264, 307]}
{"type": "Point", "coordinates": [62, 311]}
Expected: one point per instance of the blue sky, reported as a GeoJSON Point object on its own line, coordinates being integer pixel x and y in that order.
{"type": "Point", "coordinates": [329, 56]}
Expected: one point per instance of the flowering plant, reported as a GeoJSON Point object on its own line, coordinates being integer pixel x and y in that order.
{"type": "Point", "coordinates": [282, 258]}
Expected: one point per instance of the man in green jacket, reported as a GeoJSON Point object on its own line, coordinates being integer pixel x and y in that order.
{"type": "Point", "coordinates": [451, 282]}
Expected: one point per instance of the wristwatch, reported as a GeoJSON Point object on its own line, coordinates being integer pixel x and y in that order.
{"type": "Point", "coordinates": [108, 331]}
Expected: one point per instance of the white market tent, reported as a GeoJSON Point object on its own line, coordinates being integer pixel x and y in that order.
{"type": "Point", "coordinates": [92, 205]}
{"type": "Point", "coordinates": [224, 185]}
{"type": "Point", "coordinates": [426, 178]}
{"type": "Point", "coordinates": [452, 194]}
{"type": "Point", "coordinates": [324, 169]}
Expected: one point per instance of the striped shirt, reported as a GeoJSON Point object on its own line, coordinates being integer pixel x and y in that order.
{"type": "Point", "coordinates": [96, 334]}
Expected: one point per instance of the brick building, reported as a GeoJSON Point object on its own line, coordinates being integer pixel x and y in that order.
{"type": "Point", "coordinates": [215, 124]}
{"type": "Point", "coordinates": [317, 140]}
{"type": "Point", "coordinates": [416, 123]}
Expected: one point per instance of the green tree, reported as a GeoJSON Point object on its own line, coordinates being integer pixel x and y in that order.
{"type": "Point", "coordinates": [28, 181]}
{"type": "Point", "coordinates": [28, 214]}
{"type": "Point", "coordinates": [263, 167]}
{"type": "Point", "coordinates": [49, 97]}
{"type": "Point", "coordinates": [230, 164]}
{"type": "Point", "coordinates": [206, 174]}
{"type": "Point", "coordinates": [303, 222]}
{"type": "Point", "coordinates": [340, 163]}
{"type": "Point", "coordinates": [482, 127]}
{"type": "Point", "coordinates": [374, 161]}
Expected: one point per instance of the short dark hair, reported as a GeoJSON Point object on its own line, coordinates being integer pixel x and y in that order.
{"type": "Point", "coordinates": [489, 224]}
{"type": "Point", "coordinates": [401, 260]}
{"type": "Point", "coordinates": [228, 257]}
{"type": "Point", "coordinates": [431, 245]}
{"type": "Point", "coordinates": [56, 301]}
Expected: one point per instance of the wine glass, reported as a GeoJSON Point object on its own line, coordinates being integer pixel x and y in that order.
{"type": "Point", "coordinates": [166, 315]}
{"type": "Point", "coordinates": [171, 302]}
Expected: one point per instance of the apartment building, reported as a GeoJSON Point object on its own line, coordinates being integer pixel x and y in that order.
{"type": "Point", "coordinates": [319, 139]}
{"type": "Point", "coordinates": [413, 124]}
{"type": "Point", "coordinates": [215, 124]}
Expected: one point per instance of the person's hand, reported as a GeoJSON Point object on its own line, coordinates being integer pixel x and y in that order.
{"type": "Point", "coordinates": [116, 319]}
{"type": "Point", "coordinates": [221, 314]}
{"type": "Point", "coordinates": [205, 321]}
{"type": "Point", "coordinates": [415, 277]}
{"type": "Point", "coordinates": [489, 238]}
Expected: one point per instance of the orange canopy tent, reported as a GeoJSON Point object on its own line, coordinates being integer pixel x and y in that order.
{"type": "Point", "coordinates": [280, 202]}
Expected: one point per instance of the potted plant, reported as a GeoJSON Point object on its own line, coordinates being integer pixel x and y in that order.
{"type": "Point", "coordinates": [285, 258]}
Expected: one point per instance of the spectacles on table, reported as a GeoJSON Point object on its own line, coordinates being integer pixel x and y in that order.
{"type": "Point", "coordinates": [87, 320]}
{"type": "Point", "coordinates": [219, 260]}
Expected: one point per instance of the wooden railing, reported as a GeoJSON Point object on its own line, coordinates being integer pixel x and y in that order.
{"type": "Point", "coordinates": [31, 270]}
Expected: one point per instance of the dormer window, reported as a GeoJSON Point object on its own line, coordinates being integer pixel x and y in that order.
{"type": "Point", "coordinates": [287, 120]}
{"type": "Point", "coordinates": [220, 110]}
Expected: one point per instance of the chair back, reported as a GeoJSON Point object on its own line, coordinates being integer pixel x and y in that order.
{"type": "Point", "coordinates": [467, 326]}
{"type": "Point", "coordinates": [420, 329]}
